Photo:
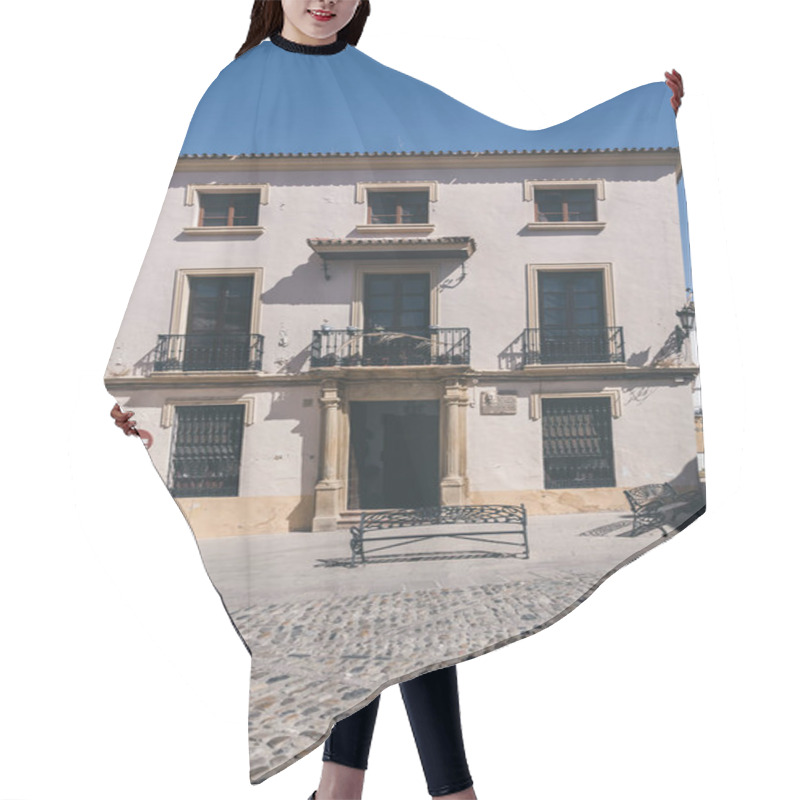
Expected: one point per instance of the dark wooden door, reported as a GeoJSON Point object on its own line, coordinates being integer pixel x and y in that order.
{"type": "Point", "coordinates": [410, 460]}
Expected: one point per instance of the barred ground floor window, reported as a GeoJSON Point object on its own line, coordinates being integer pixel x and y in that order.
{"type": "Point", "coordinates": [578, 445]}
{"type": "Point", "coordinates": [206, 451]}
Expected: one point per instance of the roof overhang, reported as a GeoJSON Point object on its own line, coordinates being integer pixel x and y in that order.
{"type": "Point", "coordinates": [483, 159]}
{"type": "Point", "coordinates": [460, 247]}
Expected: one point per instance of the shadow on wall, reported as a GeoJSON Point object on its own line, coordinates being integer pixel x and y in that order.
{"type": "Point", "coordinates": [146, 365]}
{"type": "Point", "coordinates": [671, 351]}
{"type": "Point", "coordinates": [513, 355]}
{"type": "Point", "coordinates": [688, 478]}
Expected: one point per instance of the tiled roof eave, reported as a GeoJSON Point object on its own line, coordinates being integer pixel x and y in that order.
{"type": "Point", "coordinates": [406, 240]}
{"type": "Point", "coordinates": [429, 153]}
{"type": "Point", "coordinates": [444, 246]}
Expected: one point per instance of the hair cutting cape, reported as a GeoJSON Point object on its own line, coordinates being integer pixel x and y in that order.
{"type": "Point", "coordinates": [418, 380]}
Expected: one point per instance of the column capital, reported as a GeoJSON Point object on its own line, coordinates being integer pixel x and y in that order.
{"type": "Point", "coordinates": [330, 393]}
{"type": "Point", "coordinates": [455, 391]}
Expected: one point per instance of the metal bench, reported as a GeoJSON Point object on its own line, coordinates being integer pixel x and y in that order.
{"type": "Point", "coordinates": [654, 504]}
{"type": "Point", "coordinates": [403, 526]}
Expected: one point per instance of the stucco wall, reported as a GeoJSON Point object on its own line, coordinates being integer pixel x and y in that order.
{"type": "Point", "coordinates": [641, 242]}
{"type": "Point", "coordinates": [491, 293]}
{"type": "Point", "coordinates": [653, 438]}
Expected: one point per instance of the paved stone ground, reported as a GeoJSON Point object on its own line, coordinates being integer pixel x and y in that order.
{"type": "Point", "coordinates": [390, 637]}
{"type": "Point", "coordinates": [326, 639]}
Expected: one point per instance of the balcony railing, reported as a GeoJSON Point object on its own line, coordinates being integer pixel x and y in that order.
{"type": "Point", "coordinates": [589, 345]}
{"type": "Point", "coordinates": [356, 347]}
{"type": "Point", "coordinates": [194, 352]}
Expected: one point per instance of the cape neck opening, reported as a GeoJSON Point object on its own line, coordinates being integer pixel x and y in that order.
{"type": "Point", "coordinates": [308, 49]}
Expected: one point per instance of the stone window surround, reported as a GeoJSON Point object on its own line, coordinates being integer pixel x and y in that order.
{"type": "Point", "coordinates": [170, 404]}
{"type": "Point", "coordinates": [193, 190]}
{"type": "Point", "coordinates": [533, 288]}
{"type": "Point", "coordinates": [180, 294]}
{"type": "Point", "coordinates": [614, 394]}
{"type": "Point", "coordinates": [530, 186]}
{"type": "Point", "coordinates": [362, 187]}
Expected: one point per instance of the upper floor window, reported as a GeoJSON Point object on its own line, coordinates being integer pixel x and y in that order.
{"type": "Point", "coordinates": [573, 321]}
{"type": "Point", "coordinates": [566, 205]}
{"type": "Point", "coordinates": [215, 316]}
{"type": "Point", "coordinates": [226, 210]}
{"type": "Point", "coordinates": [218, 323]}
{"type": "Point", "coordinates": [397, 208]}
{"type": "Point", "coordinates": [230, 208]}
{"type": "Point", "coordinates": [571, 316]}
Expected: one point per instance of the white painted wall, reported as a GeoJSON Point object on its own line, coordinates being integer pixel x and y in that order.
{"type": "Point", "coordinates": [653, 437]}
{"type": "Point", "coordinates": [641, 241]}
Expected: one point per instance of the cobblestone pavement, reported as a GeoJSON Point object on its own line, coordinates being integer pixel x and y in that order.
{"type": "Point", "coordinates": [373, 641]}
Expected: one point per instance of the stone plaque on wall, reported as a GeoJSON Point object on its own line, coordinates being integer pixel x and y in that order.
{"type": "Point", "coordinates": [496, 403]}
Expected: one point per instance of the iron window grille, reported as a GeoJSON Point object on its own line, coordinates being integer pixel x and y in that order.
{"type": "Point", "coordinates": [206, 451]}
{"type": "Point", "coordinates": [578, 444]}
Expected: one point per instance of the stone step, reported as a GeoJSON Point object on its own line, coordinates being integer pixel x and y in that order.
{"type": "Point", "coordinates": [352, 516]}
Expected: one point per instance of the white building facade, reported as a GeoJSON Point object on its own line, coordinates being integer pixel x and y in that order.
{"type": "Point", "coordinates": [311, 336]}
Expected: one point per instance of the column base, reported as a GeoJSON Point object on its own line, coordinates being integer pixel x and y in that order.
{"type": "Point", "coordinates": [326, 505]}
{"type": "Point", "coordinates": [454, 492]}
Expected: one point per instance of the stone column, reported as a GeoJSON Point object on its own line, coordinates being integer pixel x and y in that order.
{"type": "Point", "coordinates": [327, 492]}
{"type": "Point", "coordinates": [454, 482]}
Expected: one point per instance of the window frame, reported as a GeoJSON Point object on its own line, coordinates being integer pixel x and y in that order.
{"type": "Point", "coordinates": [393, 267]}
{"type": "Point", "coordinates": [171, 403]}
{"type": "Point", "coordinates": [195, 192]}
{"type": "Point", "coordinates": [615, 395]}
{"type": "Point", "coordinates": [363, 188]}
{"type": "Point", "coordinates": [180, 296]}
{"type": "Point", "coordinates": [533, 288]}
{"type": "Point", "coordinates": [598, 185]}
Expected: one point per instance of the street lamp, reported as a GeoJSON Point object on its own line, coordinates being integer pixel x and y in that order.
{"type": "Point", "coordinates": [686, 317]}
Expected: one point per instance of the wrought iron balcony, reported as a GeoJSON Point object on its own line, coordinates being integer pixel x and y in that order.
{"type": "Point", "coordinates": [589, 345]}
{"type": "Point", "coordinates": [354, 347]}
{"type": "Point", "coordinates": [194, 352]}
